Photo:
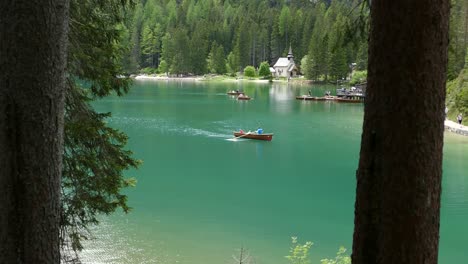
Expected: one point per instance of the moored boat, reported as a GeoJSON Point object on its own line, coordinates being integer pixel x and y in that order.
{"type": "Point", "coordinates": [315, 98]}
{"type": "Point", "coordinates": [306, 97]}
{"type": "Point", "coordinates": [243, 97]}
{"type": "Point", "coordinates": [349, 100]}
{"type": "Point", "coordinates": [254, 135]}
{"type": "Point", "coordinates": [234, 92]}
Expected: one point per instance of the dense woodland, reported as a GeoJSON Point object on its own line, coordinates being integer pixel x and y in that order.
{"type": "Point", "coordinates": [457, 72]}
{"type": "Point", "coordinates": [225, 36]}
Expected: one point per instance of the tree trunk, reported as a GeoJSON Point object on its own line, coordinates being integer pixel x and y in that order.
{"type": "Point", "coordinates": [397, 209]}
{"type": "Point", "coordinates": [32, 64]}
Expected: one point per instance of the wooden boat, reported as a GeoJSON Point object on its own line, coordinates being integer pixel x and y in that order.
{"type": "Point", "coordinates": [254, 135]}
{"type": "Point", "coordinates": [348, 100]}
{"type": "Point", "coordinates": [243, 97]}
{"type": "Point", "coordinates": [307, 97]}
{"type": "Point", "coordinates": [315, 98]}
{"type": "Point", "coordinates": [234, 92]}
{"type": "Point", "coordinates": [330, 97]}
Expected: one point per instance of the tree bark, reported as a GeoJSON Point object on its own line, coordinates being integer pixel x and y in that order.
{"type": "Point", "coordinates": [397, 209]}
{"type": "Point", "coordinates": [33, 38]}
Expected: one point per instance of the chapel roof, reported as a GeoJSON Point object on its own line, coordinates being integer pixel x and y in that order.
{"type": "Point", "coordinates": [281, 62]}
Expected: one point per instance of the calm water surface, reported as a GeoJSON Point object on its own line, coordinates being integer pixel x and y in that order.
{"type": "Point", "coordinates": [202, 195]}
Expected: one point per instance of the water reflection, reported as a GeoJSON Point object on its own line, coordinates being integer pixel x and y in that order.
{"type": "Point", "coordinates": [455, 181]}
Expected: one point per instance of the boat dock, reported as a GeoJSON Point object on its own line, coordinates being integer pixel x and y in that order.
{"type": "Point", "coordinates": [456, 128]}
{"type": "Point", "coordinates": [352, 94]}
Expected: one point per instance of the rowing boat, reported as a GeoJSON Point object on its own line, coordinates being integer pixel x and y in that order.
{"type": "Point", "coordinates": [234, 92]}
{"type": "Point", "coordinates": [347, 100]}
{"type": "Point", "coordinates": [306, 97]}
{"type": "Point", "coordinates": [243, 97]}
{"type": "Point", "coordinates": [315, 98]}
{"type": "Point", "coordinates": [254, 135]}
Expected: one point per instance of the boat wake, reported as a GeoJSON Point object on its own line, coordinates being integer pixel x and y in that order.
{"type": "Point", "coordinates": [236, 139]}
{"type": "Point", "coordinates": [165, 126]}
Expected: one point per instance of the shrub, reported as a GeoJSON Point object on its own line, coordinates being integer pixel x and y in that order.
{"type": "Point", "coordinates": [264, 69]}
{"type": "Point", "coordinates": [163, 67]}
{"type": "Point", "coordinates": [358, 77]}
{"type": "Point", "coordinates": [249, 71]}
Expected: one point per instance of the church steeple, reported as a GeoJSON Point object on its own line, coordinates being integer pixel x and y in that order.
{"type": "Point", "coordinates": [290, 54]}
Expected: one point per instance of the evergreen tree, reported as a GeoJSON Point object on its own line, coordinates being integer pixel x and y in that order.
{"type": "Point", "coordinates": [198, 51]}
{"type": "Point", "coordinates": [284, 24]}
{"type": "Point", "coordinates": [254, 31]}
{"type": "Point", "coordinates": [163, 67]}
{"type": "Point", "coordinates": [305, 68]}
{"type": "Point", "coordinates": [180, 63]}
{"type": "Point", "coordinates": [249, 71]}
{"type": "Point", "coordinates": [151, 45]}
{"type": "Point", "coordinates": [216, 61]}
{"type": "Point", "coordinates": [168, 50]}
{"type": "Point", "coordinates": [94, 158]}
{"type": "Point", "coordinates": [264, 69]}
{"type": "Point", "coordinates": [232, 63]}
{"type": "Point", "coordinates": [275, 43]}
{"type": "Point", "coordinates": [458, 37]}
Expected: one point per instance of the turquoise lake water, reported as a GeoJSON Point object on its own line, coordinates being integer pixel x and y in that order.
{"type": "Point", "coordinates": [202, 195]}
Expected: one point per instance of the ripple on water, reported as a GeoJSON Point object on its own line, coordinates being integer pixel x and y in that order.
{"type": "Point", "coordinates": [113, 246]}
{"type": "Point", "coordinates": [163, 126]}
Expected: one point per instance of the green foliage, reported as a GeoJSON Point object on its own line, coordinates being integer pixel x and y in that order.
{"type": "Point", "coordinates": [332, 33]}
{"type": "Point", "coordinates": [457, 94]}
{"type": "Point", "coordinates": [163, 67]}
{"type": "Point", "coordinates": [341, 258]}
{"type": "Point", "coordinates": [461, 99]}
{"type": "Point", "coordinates": [299, 253]}
{"type": "Point", "coordinates": [458, 41]}
{"type": "Point", "coordinates": [94, 50]}
{"type": "Point", "coordinates": [93, 162]}
{"type": "Point", "coordinates": [216, 61]}
{"type": "Point", "coordinates": [249, 71]}
{"type": "Point", "coordinates": [249, 32]}
{"type": "Point", "coordinates": [264, 69]}
{"type": "Point", "coordinates": [361, 59]}
{"type": "Point", "coordinates": [284, 23]}
{"type": "Point", "coordinates": [358, 77]}
{"type": "Point", "coordinates": [198, 52]}
{"type": "Point", "coordinates": [168, 51]}
{"type": "Point", "coordinates": [305, 68]}
{"type": "Point", "coordinates": [232, 64]}
{"type": "Point", "coordinates": [149, 70]}
{"type": "Point", "coordinates": [94, 156]}
{"type": "Point", "coordinates": [151, 44]}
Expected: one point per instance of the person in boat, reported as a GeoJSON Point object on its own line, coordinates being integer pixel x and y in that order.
{"type": "Point", "coordinates": [241, 131]}
{"type": "Point", "coordinates": [310, 93]}
{"type": "Point", "coordinates": [259, 131]}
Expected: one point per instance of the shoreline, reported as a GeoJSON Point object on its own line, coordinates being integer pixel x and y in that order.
{"type": "Point", "coordinates": [449, 125]}
{"type": "Point", "coordinates": [456, 128]}
{"type": "Point", "coordinates": [217, 78]}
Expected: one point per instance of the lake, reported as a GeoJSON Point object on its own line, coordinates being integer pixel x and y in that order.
{"type": "Point", "coordinates": [201, 195]}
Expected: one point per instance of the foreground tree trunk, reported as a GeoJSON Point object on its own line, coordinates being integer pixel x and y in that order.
{"type": "Point", "coordinates": [399, 176]}
{"type": "Point", "coordinates": [32, 65]}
